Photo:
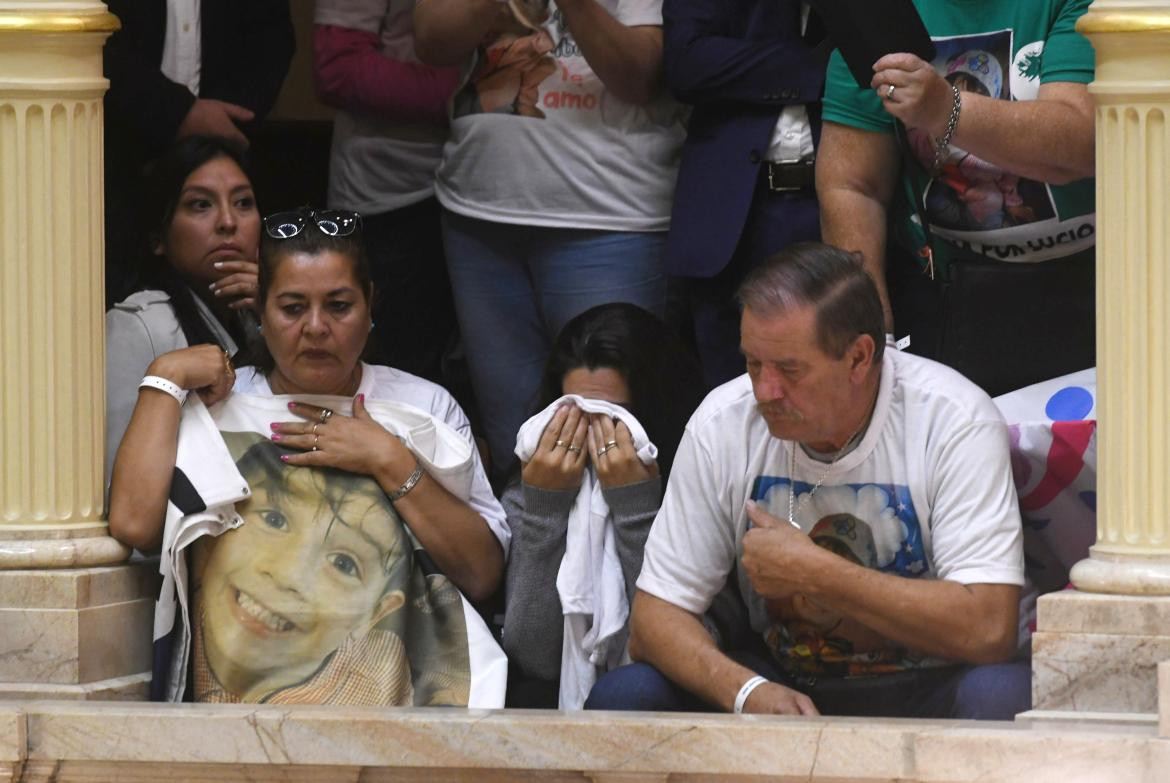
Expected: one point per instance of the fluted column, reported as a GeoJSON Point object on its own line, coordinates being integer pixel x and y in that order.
{"type": "Point", "coordinates": [75, 621]}
{"type": "Point", "coordinates": [1132, 94]}
{"type": "Point", "coordinates": [52, 387]}
{"type": "Point", "coordinates": [1096, 649]}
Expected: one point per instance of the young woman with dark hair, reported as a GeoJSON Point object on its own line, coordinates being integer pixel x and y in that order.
{"type": "Point", "coordinates": [621, 354]}
{"type": "Point", "coordinates": [196, 275]}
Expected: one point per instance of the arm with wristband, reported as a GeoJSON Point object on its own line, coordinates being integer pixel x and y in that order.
{"type": "Point", "coordinates": [144, 464]}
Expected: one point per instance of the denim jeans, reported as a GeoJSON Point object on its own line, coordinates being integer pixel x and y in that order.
{"type": "Point", "coordinates": [516, 286]}
{"type": "Point", "coordinates": [988, 692]}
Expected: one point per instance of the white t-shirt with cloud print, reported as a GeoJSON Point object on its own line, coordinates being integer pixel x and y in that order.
{"type": "Point", "coordinates": [926, 494]}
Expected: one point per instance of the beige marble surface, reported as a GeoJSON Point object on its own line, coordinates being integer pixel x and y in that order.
{"type": "Point", "coordinates": [1073, 611]}
{"type": "Point", "coordinates": [1096, 672]}
{"type": "Point", "coordinates": [66, 646]}
{"type": "Point", "coordinates": [76, 633]}
{"type": "Point", "coordinates": [133, 687]}
{"type": "Point", "coordinates": [107, 741]}
{"type": "Point", "coordinates": [1164, 699]}
{"type": "Point", "coordinates": [78, 588]}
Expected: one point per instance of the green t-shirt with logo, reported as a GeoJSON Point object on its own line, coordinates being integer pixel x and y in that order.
{"type": "Point", "coordinates": [975, 209]}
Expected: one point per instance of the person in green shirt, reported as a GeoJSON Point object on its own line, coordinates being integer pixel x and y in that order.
{"type": "Point", "coordinates": [991, 146]}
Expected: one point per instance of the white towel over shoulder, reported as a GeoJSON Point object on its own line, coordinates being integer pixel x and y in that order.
{"type": "Point", "coordinates": [589, 582]}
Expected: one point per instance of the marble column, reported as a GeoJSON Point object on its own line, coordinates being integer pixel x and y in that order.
{"type": "Point", "coordinates": [1097, 648]}
{"type": "Point", "coordinates": [68, 605]}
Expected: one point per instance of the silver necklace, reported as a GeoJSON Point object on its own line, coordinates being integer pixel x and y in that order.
{"type": "Point", "coordinates": [793, 506]}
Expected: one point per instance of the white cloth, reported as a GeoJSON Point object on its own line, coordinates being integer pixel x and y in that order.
{"type": "Point", "coordinates": [140, 329]}
{"type": "Point", "coordinates": [537, 139]}
{"type": "Point", "coordinates": [214, 482]}
{"type": "Point", "coordinates": [928, 491]}
{"type": "Point", "coordinates": [182, 57]}
{"type": "Point", "coordinates": [376, 165]}
{"type": "Point", "coordinates": [380, 382]}
{"type": "Point", "coordinates": [590, 581]}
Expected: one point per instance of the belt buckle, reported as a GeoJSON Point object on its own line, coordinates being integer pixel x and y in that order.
{"type": "Point", "coordinates": [772, 186]}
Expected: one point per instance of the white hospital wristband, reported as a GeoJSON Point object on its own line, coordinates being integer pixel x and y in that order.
{"type": "Point", "coordinates": [745, 691]}
{"type": "Point", "coordinates": [163, 385]}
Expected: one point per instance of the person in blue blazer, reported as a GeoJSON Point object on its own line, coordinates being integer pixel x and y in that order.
{"type": "Point", "coordinates": [754, 72]}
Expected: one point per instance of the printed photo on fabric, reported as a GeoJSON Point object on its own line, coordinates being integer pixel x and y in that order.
{"type": "Point", "coordinates": [871, 525]}
{"type": "Point", "coordinates": [321, 596]}
{"type": "Point", "coordinates": [532, 67]}
{"type": "Point", "coordinates": [973, 203]}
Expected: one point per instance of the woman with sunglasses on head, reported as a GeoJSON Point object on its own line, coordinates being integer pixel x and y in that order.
{"type": "Point", "coordinates": [314, 299]}
{"type": "Point", "coordinates": [197, 274]}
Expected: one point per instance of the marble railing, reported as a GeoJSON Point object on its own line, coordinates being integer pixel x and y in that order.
{"type": "Point", "coordinates": [58, 741]}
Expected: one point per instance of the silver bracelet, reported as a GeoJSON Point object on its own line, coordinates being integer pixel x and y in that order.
{"type": "Point", "coordinates": [408, 485]}
{"type": "Point", "coordinates": [941, 144]}
{"type": "Point", "coordinates": [163, 385]}
{"type": "Point", "coordinates": [742, 697]}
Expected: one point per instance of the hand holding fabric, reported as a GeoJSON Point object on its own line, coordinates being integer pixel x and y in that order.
{"type": "Point", "coordinates": [921, 97]}
{"type": "Point", "coordinates": [357, 443]}
{"type": "Point", "coordinates": [780, 560]}
{"type": "Point", "coordinates": [559, 460]}
{"type": "Point", "coordinates": [204, 369]}
{"type": "Point", "coordinates": [613, 454]}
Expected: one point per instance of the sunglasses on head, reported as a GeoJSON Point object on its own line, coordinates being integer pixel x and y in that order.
{"type": "Point", "coordinates": [334, 222]}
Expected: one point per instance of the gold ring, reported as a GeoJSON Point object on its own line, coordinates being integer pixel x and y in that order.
{"type": "Point", "coordinates": [316, 437]}
{"type": "Point", "coordinates": [325, 414]}
{"type": "Point", "coordinates": [315, 426]}
{"type": "Point", "coordinates": [559, 443]}
{"type": "Point", "coordinates": [601, 451]}
{"type": "Point", "coordinates": [574, 449]}
{"type": "Point", "coordinates": [610, 444]}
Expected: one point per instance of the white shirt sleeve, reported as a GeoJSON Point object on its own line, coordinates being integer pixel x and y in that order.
{"type": "Point", "coordinates": [483, 501]}
{"type": "Point", "coordinates": [976, 533]}
{"type": "Point", "coordinates": [691, 547]}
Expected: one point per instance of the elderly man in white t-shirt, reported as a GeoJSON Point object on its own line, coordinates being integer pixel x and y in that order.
{"type": "Point", "coordinates": [864, 498]}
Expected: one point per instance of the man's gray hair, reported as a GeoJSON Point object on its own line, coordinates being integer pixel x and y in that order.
{"type": "Point", "coordinates": [828, 278]}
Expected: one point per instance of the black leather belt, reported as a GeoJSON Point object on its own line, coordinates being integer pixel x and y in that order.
{"type": "Point", "coordinates": [788, 177]}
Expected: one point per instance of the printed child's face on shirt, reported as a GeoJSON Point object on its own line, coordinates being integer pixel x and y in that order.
{"type": "Point", "coordinates": [308, 568]}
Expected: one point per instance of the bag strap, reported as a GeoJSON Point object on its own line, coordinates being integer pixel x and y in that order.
{"type": "Point", "coordinates": [926, 251]}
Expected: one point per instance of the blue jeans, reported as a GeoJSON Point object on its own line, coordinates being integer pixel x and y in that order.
{"type": "Point", "coordinates": [516, 286]}
{"type": "Point", "coordinates": [990, 692]}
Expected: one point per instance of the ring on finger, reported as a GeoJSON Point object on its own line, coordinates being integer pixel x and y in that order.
{"type": "Point", "coordinates": [610, 444]}
{"type": "Point", "coordinates": [316, 424]}
{"type": "Point", "coordinates": [890, 92]}
{"type": "Point", "coordinates": [325, 414]}
{"type": "Point", "coordinates": [316, 438]}
{"type": "Point", "coordinates": [601, 451]}
{"type": "Point", "coordinates": [560, 443]}
{"type": "Point", "coordinates": [572, 448]}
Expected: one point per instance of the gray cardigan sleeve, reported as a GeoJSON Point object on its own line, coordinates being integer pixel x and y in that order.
{"type": "Point", "coordinates": [533, 620]}
{"type": "Point", "coordinates": [633, 508]}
